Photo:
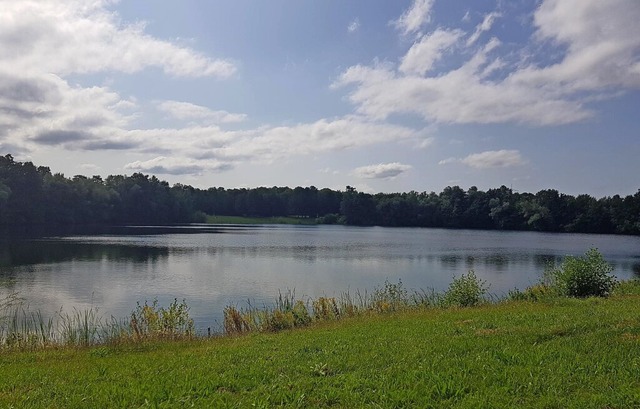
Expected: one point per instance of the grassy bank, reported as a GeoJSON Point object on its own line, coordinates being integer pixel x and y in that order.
{"type": "Point", "coordinates": [259, 220]}
{"type": "Point", "coordinates": [562, 352]}
{"type": "Point", "coordinates": [551, 345]}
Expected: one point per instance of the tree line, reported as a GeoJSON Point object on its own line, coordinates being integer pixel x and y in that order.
{"type": "Point", "coordinates": [33, 195]}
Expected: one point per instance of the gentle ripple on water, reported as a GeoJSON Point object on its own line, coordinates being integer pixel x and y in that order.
{"type": "Point", "coordinates": [213, 266]}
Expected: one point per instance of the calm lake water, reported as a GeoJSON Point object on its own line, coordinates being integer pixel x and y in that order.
{"type": "Point", "coordinates": [213, 266]}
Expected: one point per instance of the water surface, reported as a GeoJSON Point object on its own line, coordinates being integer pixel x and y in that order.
{"type": "Point", "coordinates": [212, 266]}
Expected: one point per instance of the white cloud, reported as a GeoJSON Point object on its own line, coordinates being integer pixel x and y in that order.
{"type": "Point", "coordinates": [354, 26]}
{"type": "Point", "coordinates": [325, 135]}
{"type": "Point", "coordinates": [448, 161]}
{"type": "Point", "coordinates": [412, 19]}
{"type": "Point", "coordinates": [428, 50]}
{"type": "Point", "coordinates": [43, 108]}
{"type": "Point", "coordinates": [489, 159]}
{"type": "Point", "coordinates": [381, 171]}
{"type": "Point", "coordinates": [186, 111]}
{"type": "Point", "coordinates": [43, 42]}
{"type": "Point", "coordinates": [486, 25]}
{"type": "Point", "coordinates": [198, 149]}
{"type": "Point", "coordinates": [176, 166]}
{"type": "Point", "coordinates": [84, 36]}
{"type": "Point", "coordinates": [494, 159]}
{"type": "Point", "coordinates": [602, 43]}
{"type": "Point", "coordinates": [426, 142]}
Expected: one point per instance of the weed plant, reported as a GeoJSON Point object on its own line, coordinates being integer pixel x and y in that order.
{"type": "Point", "coordinates": [152, 321]}
{"type": "Point", "coordinates": [391, 297]}
{"type": "Point", "coordinates": [587, 276]}
{"type": "Point", "coordinates": [465, 291]}
{"type": "Point", "coordinates": [286, 314]}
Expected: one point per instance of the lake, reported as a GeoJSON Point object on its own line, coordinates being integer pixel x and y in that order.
{"type": "Point", "coordinates": [211, 266]}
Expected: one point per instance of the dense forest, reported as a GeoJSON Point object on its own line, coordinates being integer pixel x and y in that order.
{"type": "Point", "coordinates": [32, 195]}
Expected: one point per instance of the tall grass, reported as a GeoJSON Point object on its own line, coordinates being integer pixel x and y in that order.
{"type": "Point", "coordinates": [25, 329]}
{"type": "Point", "coordinates": [21, 328]}
{"type": "Point", "coordinates": [289, 312]}
{"type": "Point", "coordinates": [153, 321]}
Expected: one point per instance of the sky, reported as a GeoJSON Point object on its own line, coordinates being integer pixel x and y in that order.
{"type": "Point", "coordinates": [381, 95]}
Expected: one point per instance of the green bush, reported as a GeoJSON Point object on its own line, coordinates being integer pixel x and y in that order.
{"type": "Point", "coordinates": [465, 291]}
{"type": "Point", "coordinates": [587, 276]}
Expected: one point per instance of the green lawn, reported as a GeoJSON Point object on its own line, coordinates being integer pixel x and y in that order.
{"type": "Point", "coordinates": [565, 353]}
{"type": "Point", "coordinates": [258, 220]}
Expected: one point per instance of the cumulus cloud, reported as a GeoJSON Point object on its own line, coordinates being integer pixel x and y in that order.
{"type": "Point", "coordinates": [415, 17]}
{"type": "Point", "coordinates": [325, 135]}
{"type": "Point", "coordinates": [60, 137]}
{"type": "Point", "coordinates": [84, 36]}
{"type": "Point", "coordinates": [189, 111]}
{"type": "Point", "coordinates": [46, 110]}
{"type": "Point", "coordinates": [489, 159]}
{"type": "Point", "coordinates": [602, 41]}
{"type": "Point", "coordinates": [600, 53]}
{"type": "Point", "coordinates": [43, 43]}
{"type": "Point", "coordinates": [199, 149]}
{"type": "Point", "coordinates": [381, 171]}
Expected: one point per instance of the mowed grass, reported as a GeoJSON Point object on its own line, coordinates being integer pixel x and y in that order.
{"type": "Point", "coordinates": [562, 353]}
{"type": "Point", "coordinates": [259, 220]}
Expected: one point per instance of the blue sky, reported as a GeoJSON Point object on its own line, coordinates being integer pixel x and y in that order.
{"type": "Point", "coordinates": [381, 95]}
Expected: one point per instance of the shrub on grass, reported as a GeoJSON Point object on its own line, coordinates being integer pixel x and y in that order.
{"type": "Point", "coordinates": [587, 276]}
{"type": "Point", "coordinates": [465, 291]}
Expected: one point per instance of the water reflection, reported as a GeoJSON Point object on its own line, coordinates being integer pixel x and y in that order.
{"type": "Point", "coordinates": [212, 266]}
{"type": "Point", "coordinates": [48, 252]}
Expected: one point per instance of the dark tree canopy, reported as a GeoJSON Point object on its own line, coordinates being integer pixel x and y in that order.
{"type": "Point", "coordinates": [31, 195]}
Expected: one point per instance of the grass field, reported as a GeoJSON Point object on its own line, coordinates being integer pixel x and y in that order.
{"type": "Point", "coordinates": [258, 220]}
{"type": "Point", "coordinates": [559, 353]}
